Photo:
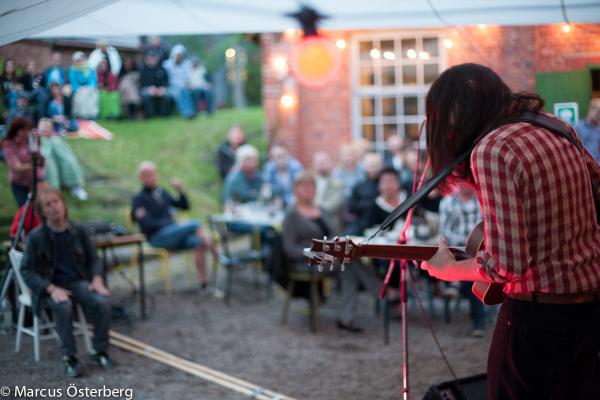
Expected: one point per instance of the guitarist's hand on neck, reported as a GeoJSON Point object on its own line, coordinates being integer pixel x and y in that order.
{"type": "Point", "coordinates": [443, 265]}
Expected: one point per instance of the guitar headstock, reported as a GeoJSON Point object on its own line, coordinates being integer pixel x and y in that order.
{"type": "Point", "coordinates": [330, 253]}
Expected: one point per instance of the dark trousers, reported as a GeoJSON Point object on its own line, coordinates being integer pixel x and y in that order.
{"type": "Point", "coordinates": [19, 193]}
{"type": "Point", "coordinates": [545, 351]}
{"type": "Point", "coordinates": [96, 309]}
{"type": "Point", "coordinates": [155, 104]}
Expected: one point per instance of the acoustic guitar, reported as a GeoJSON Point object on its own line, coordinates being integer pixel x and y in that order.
{"type": "Point", "coordinates": [339, 251]}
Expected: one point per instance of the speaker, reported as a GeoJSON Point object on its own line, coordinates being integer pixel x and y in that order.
{"type": "Point", "coordinates": [469, 388]}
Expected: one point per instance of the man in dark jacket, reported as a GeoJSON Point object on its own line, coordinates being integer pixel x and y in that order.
{"type": "Point", "coordinates": [364, 193]}
{"type": "Point", "coordinates": [154, 82]}
{"type": "Point", "coordinates": [226, 152]}
{"type": "Point", "coordinates": [60, 265]}
{"type": "Point", "coordinates": [152, 207]}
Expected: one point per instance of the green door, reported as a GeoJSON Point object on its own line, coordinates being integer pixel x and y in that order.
{"type": "Point", "coordinates": [563, 87]}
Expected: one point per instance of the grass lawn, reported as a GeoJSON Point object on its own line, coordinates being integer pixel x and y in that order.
{"type": "Point", "coordinates": [181, 148]}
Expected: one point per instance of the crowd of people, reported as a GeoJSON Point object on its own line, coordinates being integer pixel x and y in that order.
{"type": "Point", "coordinates": [104, 84]}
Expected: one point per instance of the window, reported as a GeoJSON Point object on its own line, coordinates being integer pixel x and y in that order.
{"type": "Point", "coordinates": [391, 74]}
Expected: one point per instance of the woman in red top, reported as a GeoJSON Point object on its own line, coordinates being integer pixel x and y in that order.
{"type": "Point", "coordinates": [542, 241]}
{"type": "Point", "coordinates": [15, 147]}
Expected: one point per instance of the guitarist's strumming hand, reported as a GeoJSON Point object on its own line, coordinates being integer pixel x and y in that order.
{"type": "Point", "coordinates": [443, 265]}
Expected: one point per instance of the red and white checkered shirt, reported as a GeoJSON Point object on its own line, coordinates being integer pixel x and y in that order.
{"type": "Point", "coordinates": [540, 223]}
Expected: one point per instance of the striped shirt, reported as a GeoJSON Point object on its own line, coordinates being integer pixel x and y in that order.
{"type": "Point", "coordinates": [540, 224]}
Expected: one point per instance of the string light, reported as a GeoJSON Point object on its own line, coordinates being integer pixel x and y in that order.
{"type": "Point", "coordinates": [288, 101]}
{"type": "Point", "coordinates": [375, 53]}
{"type": "Point", "coordinates": [411, 53]}
{"type": "Point", "coordinates": [389, 55]}
{"type": "Point", "coordinates": [566, 28]}
{"type": "Point", "coordinates": [481, 26]}
{"type": "Point", "coordinates": [423, 55]}
{"type": "Point", "coordinates": [279, 63]}
{"type": "Point", "coordinates": [230, 53]}
{"type": "Point", "coordinates": [340, 44]}
{"type": "Point", "coordinates": [448, 43]}
{"type": "Point", "coordinates": [290, 34]}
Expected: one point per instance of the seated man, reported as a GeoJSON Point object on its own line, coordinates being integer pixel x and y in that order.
{"type": "Point", "coordinates": [244, 182]}
{"type": "Point", "coordinates": [152, 208]}
{"type": "Point", "coordinates": [280, 172]}
{"type": "Point", "coordinates": [60, 264]}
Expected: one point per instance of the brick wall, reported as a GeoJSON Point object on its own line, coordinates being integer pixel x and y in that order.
{"type": "Point", "coordinates": [560, 51]}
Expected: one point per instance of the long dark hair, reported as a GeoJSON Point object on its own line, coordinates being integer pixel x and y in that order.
{"type": "Point", "coordinates": [465, 103]}
{"type": "Point", "coordinates": [16, 125]}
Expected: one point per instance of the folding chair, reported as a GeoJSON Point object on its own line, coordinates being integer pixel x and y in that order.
{"type": "Point", "coordinates": [80, 328]}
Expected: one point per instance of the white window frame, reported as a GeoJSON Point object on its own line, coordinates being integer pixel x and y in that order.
{"type": "Point", "coordinates": [378, 91]}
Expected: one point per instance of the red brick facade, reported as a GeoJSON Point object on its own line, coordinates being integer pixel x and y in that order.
{"type": "Point", "coordinates": [322, 117]}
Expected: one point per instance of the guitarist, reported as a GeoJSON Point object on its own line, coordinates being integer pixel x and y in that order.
{"type": "Point", "coordinates": [542, 240]}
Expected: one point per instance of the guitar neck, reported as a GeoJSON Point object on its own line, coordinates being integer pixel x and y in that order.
{"type": "Point", "coordinates": [408, 252]}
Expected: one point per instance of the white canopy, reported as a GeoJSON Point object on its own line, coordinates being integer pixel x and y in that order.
{"type": "Point", "coordinates": [67, 18]}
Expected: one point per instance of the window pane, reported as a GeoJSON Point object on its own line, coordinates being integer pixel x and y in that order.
{"type": "Point", "coordinates": [389, 130]}
{"type": "Point", "coordinates": [411, 131]}
{"type": "Point", "coordinates": [364, 49]}
{"type": "Point", "coordinates": [409, 49]}
{"type": "Point", "coordinates": [411, 106]}
{"type": "Point", "coordinates": [430, 45]}
{"type": "Point", "coordinates": [430, 72]}
{"type": "Point", "coordinates": [367, 106]}
{"type": "Point", "coordinates": [388, 76]}
{"type": "Point", "coordinates": [409, 74]}
{"type": "Point", "coordinates": [367, 78]}
{"type": "Point", "coordinates": [389, 106]}
{"type": "Point", "coordinates": [368, 132]}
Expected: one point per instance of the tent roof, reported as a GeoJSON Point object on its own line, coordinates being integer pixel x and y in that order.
{"type": "Point", "coordinates": [64, 18]}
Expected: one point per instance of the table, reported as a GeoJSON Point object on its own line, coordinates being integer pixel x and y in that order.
{"type": "Point", "coordinates": [104, 243]}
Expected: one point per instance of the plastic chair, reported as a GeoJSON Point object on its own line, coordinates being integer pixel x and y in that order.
{"type": "Point", "coordinates": [80, 328]}
{"type": "Point", "coordinates": [164, 255]}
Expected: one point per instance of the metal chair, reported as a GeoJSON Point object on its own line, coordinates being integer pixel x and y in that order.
{"type": "Point", "coordinates": [80, 327]}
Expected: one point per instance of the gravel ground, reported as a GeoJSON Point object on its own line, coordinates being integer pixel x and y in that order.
{"type": "Point", "coordinates": [246, 340]}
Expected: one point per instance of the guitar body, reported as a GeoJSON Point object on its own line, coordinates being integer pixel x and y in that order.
{"type": "Point", "coordinates": [487, 293]}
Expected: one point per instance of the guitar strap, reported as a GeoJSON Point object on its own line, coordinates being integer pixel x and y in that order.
{"type": "Point", "coordinates": [531, 117]}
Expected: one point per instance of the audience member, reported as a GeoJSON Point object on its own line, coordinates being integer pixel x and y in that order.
{"type": "Point", "coordinates": [154, 81]}
{"type": "Point", "coordinates": [9, 84]}
{"type": "Point", "coordinates": [280, 172]}
{"type": "Point", "coordinates": [390, 197]}
{"type": "Point", "coordinates": [395, 157]}
{"type": "Point", "coordinates": [303, 222]}
{"type": "Point", "coordinates": [459, 213]}
{"type": "Point", "coordinates": [152, 208]}
{"type": "Point", "coordinates": [31, 83]}
{"type": "Point", "coordinates": [179, 70]}
{"type": "Point", "coordinates": [244, 181]}
{"type": "Point", "coordinates": [55, 72]}
{"type": "Point", "coordinates": [110, 105]}
{"type": "Point", "coordinates": [226, 152]}
{"type": "Point", "coordinates": [62, 168]}
{"type": "Point", "coordinates": [588, 129]}
{"type": "Point", "coordinates": [20, 166]}
{"type": "Point", "coordinates": [201, 87]}
{"type": "Point", "coordinates": [364, 193]}
{"type": "Point", "coordinates": [348, 171]}
{"type": "Point", "coordinates": [23, 109]}
{"type": "Point", "coordinates": [84, 85]}
{"type": "Point", "coordinates": [60, 266]}
{"type": "Point", "coordinates": [105, 51]}
{"type": "Point", "coordinates": [329, 191]}
{"type": "Point", "coordinates": [57, 111]}
{"type": "Point", "coordinates": [129, 84]}
{"type": "Point", "coordinates": [156, 46]}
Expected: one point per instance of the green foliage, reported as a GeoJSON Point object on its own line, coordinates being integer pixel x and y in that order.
{"type": "Point", "coordinates": [181, 148]}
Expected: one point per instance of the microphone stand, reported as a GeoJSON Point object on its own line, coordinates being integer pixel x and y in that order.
{"type": "Point", "coordinates": [28, 208]}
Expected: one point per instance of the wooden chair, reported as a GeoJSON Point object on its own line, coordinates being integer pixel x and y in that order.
{"type": "Point", "coordinates": [39, 325]}
{"type": "Point", "coordinates": [315, 280]}
{"type": "Point", "coordinates": [164, 256]}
